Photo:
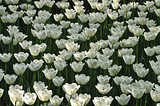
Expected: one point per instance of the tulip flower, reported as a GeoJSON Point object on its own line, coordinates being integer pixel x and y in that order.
{"type": "Point", "coordinates": [29, 98]}
{"type": "Point", "coordinates": [56, 100]}
{"type": "Point", "coordinates": [123, 99]}
{"type": "Point", "coordinates": [70, 89]}
{"type": "Point", "coordinates": [82, 79]}
{"type": "Point", "coordinates": [58, 81]}
{"type": "Point", "coordinates": [102, 101]}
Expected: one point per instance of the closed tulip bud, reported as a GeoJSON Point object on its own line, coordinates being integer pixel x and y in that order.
{"type": "Point", "coordinates": [70, 89]}
{"type": "Point", "coordinates": [29, 98]}
{"type": "Point", "coordinates": [56, 100]}
{"type": "Point", "coordinates": [82, 79]}
{"type": "Point", "coordinates": [58, 81]}
{"type": "Point", "coordinates": [5, 57]}
{"type": "Point", "coordinates": [102, 101]}
{"type": "Point", "coordinates": [10, 79]}
{"type": "Point", "coordinates": [123, 99]}
{"type": "Point", "coordinates": [21, 56]}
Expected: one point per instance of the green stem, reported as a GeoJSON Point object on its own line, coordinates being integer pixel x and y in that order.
{"type": "Point", "coordinates": [146, 100]}
{"type": "Point", "coordinates": [137, 102]}
{"type": "Point", "coordinates": [20, 80]}
{"type": "Point", "coordinates": [137, 53]}
{"type": "Point", "coordinates": [6, 68]}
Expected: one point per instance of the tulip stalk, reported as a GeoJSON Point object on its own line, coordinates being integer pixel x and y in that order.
{"type": "Point", "coordinates": [146, 97]}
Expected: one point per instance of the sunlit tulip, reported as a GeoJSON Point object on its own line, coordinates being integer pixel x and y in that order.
{"type": "Point", "coordinates": [1, 92]}
{"type": "Point", "coordinates": [21, 56]}
{"type": "Point", "coordinates": [155, 66]}
{"type": "Point", "coordinates": [6, 39]}
{"type": "Point", "coordinates": [103, 79]}
{"type": "Point", "coordinates": [49, 58]}
{"type": "Point", "coordinates": [130, 42]}
{"type": "Point", "coordinates": [141, 20]}
{"type": "Point", "coordinates": [1, 74]}
{"type": "Point", "coordinates": [83, 17]}
{"type": "Point", "coordinates": [69, 97]}
{"type": "Point", "coordinates": [122, 79]}
{"type": "Point", "coordinates": [65, 24]}
{"type": "Point", "coordinates": [56, 100]}
{"type": "Point", "coordinates": [61, 43]}
{"type": "Point", "coordinates": [77, 66]}
{"type": "Point", "coordinates": [58, 17]}
{"type": "Point", "coordinates": [137, 92]}
{"type": "Point", "coordinates": [76, 102]}
{"type": "Point", "coordinates": [39, 4]}
{"type": "Point", "coordinates": [19, 69]}
{"type": "Point", "coordinates": [10, 79]}
{"type": "Point", "coordinates": [29, 98]}
{"type": "Point", "coordinates": [70, 14]}
{"type": "Point", "coordinates": [103, 88]}
{"type": "Point", "coordinates": [155, 93]}
{"type": "Point", "coordinates": [79, 9]}
{"type": "Point", "coordinates": [74, 47]}
{"type": "Point", "coordinates": [5, 57]}
{"type": "Point", "coordinates": [66, 54]}
{"type": "Point", "coordinates": [123, 99]}
{"type": "Point", "coordinates": [50, 73]}
{"type": "Point", "coordinates": [49, 3]}
{"type": "Point", "coordinates": [82, 79]}
{"type": "Point", "coordinates": [34, 49]}
{"type": "Point", "coordinates": [44, 94]}
{"type": "Point", "coordinates": [13, 8]}
{"type": "Point", "coordinates": [30, 13]}
{"type": "Point", "coordinates": [12, 18]}
{"type": "Point", "coordinates": [60, 65]}
{"type": "Point", "coordinates": [102, 101]}
{"type": "Point", "coordinates": [15, 95]}
{"type": "Point", "coordinates": [35, 65]}
{"type": "Point", "coordinates": [129, 59]}
{"type": "Point", "coordinates": [148, 86]}
{"type": "Point", "coordinates": [149, 51]}
{"type": "Point", "coordinates": [62, 4]}
{"type": "Point", "coordinates": [70, 89]}
{"type": "Point", "coordinates": [79, 56]}
{"type": "Point", "coordinates": [92, 63]}
{"type": "Point", "coordinates": [125, 88]}
{"type": "Point", "coordinates": [58, 81]}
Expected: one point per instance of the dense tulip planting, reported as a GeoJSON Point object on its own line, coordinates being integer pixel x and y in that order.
{"type": "Point", "coordinates": [79, 53]}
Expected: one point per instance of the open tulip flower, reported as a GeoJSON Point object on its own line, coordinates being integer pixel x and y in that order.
{"type": "Point", "coordinates": [86, 51]}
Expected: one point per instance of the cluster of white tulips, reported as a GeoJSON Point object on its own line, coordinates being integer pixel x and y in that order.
{"type": "Point", "coordinates": [79, 53]}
